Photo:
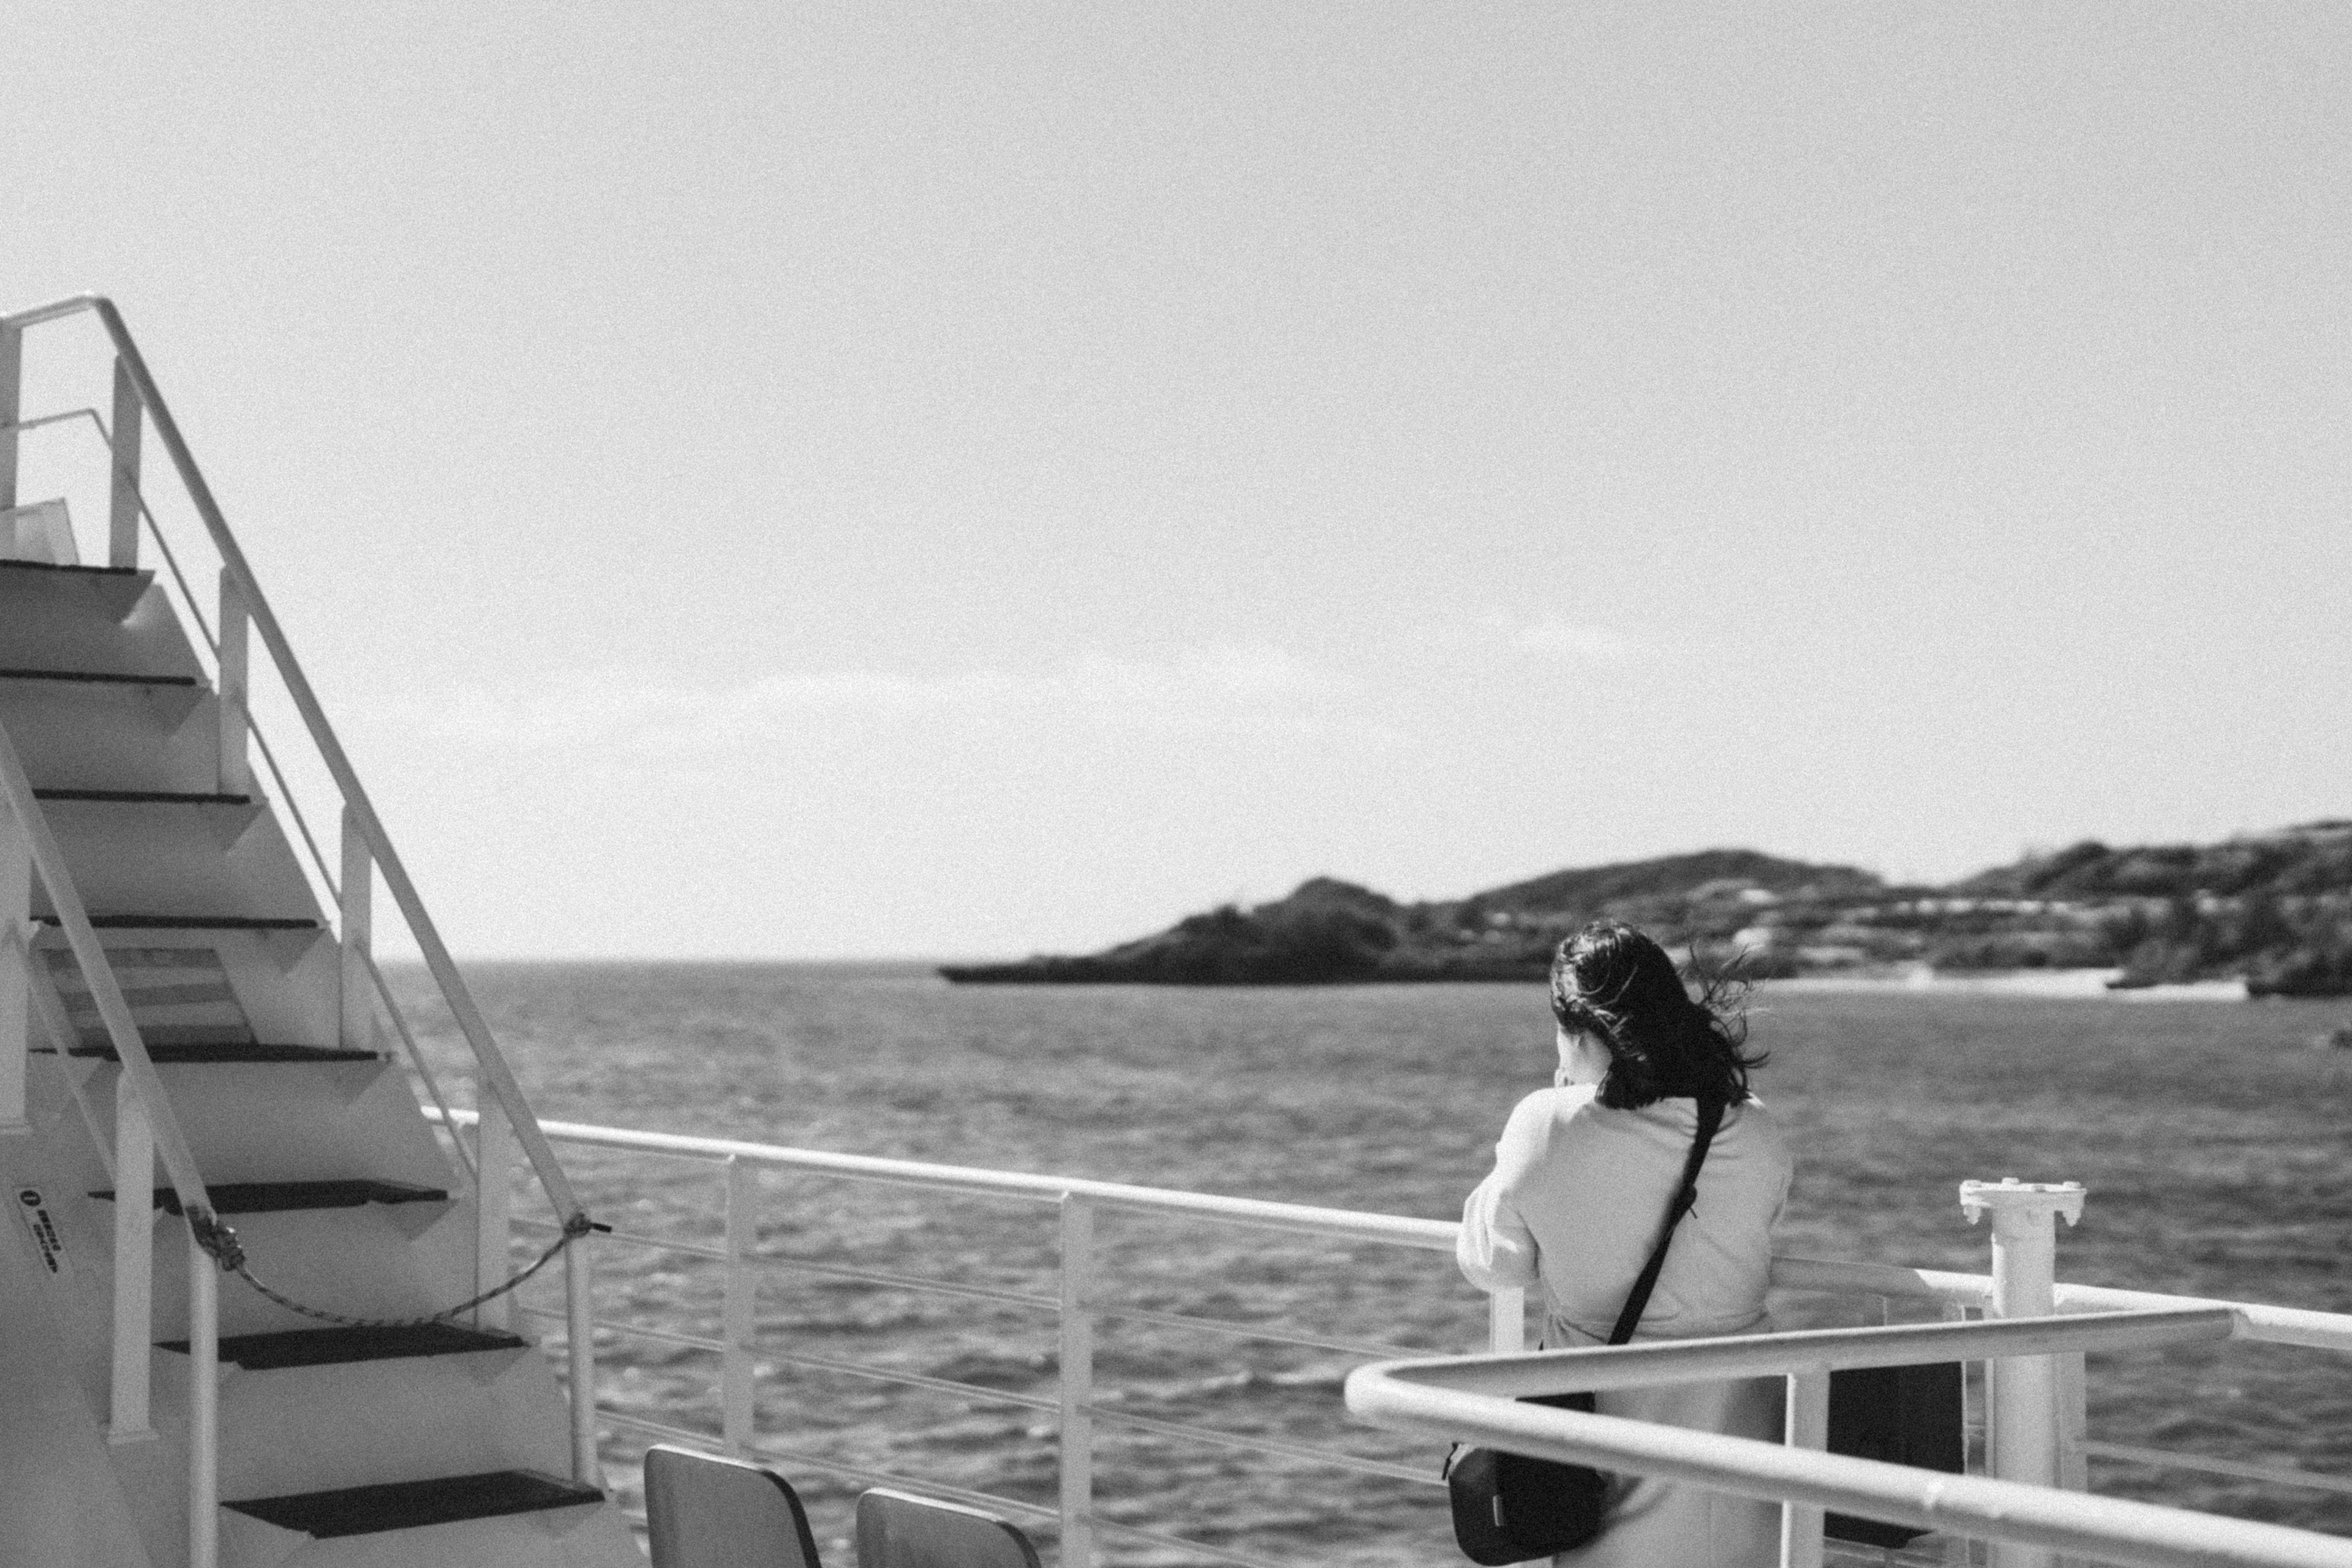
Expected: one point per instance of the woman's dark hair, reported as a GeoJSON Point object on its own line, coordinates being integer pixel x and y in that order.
{"type": "Point", "coordinates": [1613, 982]}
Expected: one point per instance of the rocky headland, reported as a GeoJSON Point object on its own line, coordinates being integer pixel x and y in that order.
{"type": "Point", "coordinates": [2272, 910]}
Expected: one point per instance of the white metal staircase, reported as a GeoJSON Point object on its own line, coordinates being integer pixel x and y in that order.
{"type": "Point", "coordinates": [175, 988]}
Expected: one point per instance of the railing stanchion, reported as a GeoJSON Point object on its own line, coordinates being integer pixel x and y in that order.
{"type": "Point", "coordinates": [2022, 1391]}
{"type": "Point", "coordinates": [234, 688]}
{"type": "Point", "coordinates": [493, 1216]}
{"type": "Point", "coordinates": [580, 1326]}
{"type": "Point", "coordinates": [737, 1373]}
{"type": "Point", "coordinates": [1507, 1322]}
{"type": "Point", "coordinates": [123, 518]}
{"type": "Point", "coordinates": [1077, 1380]}
{"type": "Point", "coordinates": [203, 1408]}
{"type": "Point", "coordinates": [2073, 1423]}
{"type": "Point", "coordinates": [357, 895]}
{"type": "Point", "coordinates": [11, 386]}
{"type": "Point", "coordinates": [134, 1268]}
{"type": "Point", "coordinates": [16, 931]}
{"type": "Point", "coordinates": [1807, 1426]}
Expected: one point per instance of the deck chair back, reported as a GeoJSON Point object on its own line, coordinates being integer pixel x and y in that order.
{"type": "Point", "coordinates": [703, 1511]}
{"type": "Point", "coordinates": [899, 1529]}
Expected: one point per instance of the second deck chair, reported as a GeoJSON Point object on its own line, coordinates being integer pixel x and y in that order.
{"type": "Point", "coordinates": [703, 1511]}
{"type": "Point", "coordinates": [898, 1529]}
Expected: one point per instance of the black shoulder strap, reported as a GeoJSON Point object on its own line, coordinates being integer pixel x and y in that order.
{"type": "Point", "coordinates": [1710, 1117]}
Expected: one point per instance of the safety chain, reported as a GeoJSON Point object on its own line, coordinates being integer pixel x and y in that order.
{"type": "Point", "coordinates": [219, 1240]}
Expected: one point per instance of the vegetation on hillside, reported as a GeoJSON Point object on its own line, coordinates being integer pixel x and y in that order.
{"type": "Point", "coordinates": [2274, 909]}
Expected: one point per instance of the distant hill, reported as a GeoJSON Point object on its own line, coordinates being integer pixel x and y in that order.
{"type": "Point", "coordinates": [2274, 909]}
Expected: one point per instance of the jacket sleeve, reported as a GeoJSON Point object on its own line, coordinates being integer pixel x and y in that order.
{"type": "Point", "coordinates": [1495, 1249]}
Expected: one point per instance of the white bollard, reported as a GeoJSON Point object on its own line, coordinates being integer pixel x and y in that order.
{"type": "Point", "coordinates": [2023, 1390]}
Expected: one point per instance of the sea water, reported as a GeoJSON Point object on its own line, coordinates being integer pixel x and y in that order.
{"type": "Point", "coordinates": [2213, 1138]}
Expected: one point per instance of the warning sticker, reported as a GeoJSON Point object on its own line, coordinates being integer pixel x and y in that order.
{"type": "Point", "coordinates": [34, 1210]}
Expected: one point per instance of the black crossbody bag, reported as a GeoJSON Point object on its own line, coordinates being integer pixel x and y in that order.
{"type": "Point", "coordinates": [1508, 1508]}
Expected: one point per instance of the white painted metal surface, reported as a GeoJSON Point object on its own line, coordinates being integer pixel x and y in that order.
{"type": "Point", "coordinates": [2024, 1389]}
{"type": "Point", "coordinates": [16, 967]}
{"type": "Point", "coordinates": [493, 1218]}
{"type": "Point", "coordinates": [123, 509]}
{"type": "Point", "coordinates": [2087, 1316]}
{"type": "Point", "coordinates": [1077, 1380]}
{"type": "Point", "coordinates": [580, 1306]}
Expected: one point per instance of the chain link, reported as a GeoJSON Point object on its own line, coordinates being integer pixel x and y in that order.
{"type": "Point", "coordinates": [219, 1241]}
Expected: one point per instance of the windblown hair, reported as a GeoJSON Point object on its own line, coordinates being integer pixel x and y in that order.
{"type": "Point", "coordinates": [1615, 984]}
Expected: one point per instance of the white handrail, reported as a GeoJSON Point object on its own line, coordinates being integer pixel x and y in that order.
{"type": "Point", "coordinates": [1476, 1400]}
{"type": "Point", "coordinates": [1350, 1224]}
{"type": "Point", "coordinates": [496, 1075]}
{"type": "Point", "coordinates": [2085, 1312]}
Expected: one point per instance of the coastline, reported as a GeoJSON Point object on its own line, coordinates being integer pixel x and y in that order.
{"type": "Point", "coordinates": [2080, 984]}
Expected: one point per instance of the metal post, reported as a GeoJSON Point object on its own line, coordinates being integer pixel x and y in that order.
{"type": "Point", "coordinates": [134, 1267]}
{"type": "Point", "coordinates": [1507, 1322]}
{"type": "Point", "coordinates": [493, 1216]}
{"type": "Point", "coordinates": [580, 1327]}
{"type": "Point", "coordinates": [235, 767]}
{"type": "Point", "coordinates": [1806, 1426]}
{"type": "Point", "coordinates": [1077, 1382]}
{"type": "Point", "coordinates": [358, 890]}
{"type": "Point", "coordinates": [16, 931]}
{"type": "Point", "coordinates": [203, 1408]}
{"type": "Point", "coordinates": [737, 1371]}
{"type": "Point", "coordinates": [12, 378]}
{"type": "Point", "coordinates": [2022, 1391]}
{"type": "Point", "coordinates": [123, 518]}
{"type": "Point", "coordinates": [2073, 1423]}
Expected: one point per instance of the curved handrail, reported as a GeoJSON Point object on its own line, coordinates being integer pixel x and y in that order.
{"type": "Point", "coordinates": [1476, 1400]}
{"type": "Point", "coordinates": [496, 1075]}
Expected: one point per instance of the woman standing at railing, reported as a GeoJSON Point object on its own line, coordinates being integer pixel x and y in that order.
{"type": "Point", "coordinates": [1583, 1175]}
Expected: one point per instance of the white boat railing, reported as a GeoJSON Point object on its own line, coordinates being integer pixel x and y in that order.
{"type": "Point", "coordinates": [366, 854]}
{"type": "Point", "coordinates": [2033, 1380]}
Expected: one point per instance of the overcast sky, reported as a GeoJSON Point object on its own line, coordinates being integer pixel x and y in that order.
{"type": "Point", "coordinates": [791, 481]}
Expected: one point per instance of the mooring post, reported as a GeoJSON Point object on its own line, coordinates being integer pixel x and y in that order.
{"type": "Point", "coordinates": [2023, 1390]}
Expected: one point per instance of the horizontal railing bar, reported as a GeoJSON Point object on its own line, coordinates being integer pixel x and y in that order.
{"type": "Point", "coordinates": [911, 1380]}
{"type": "Point", "coordinates": [1842, 1277]}
{"type": "Point", "coordinates": [788, 1264]}
{"type": "Point", "coordinates": [2161, 1458]}
{"type": "Point", "coordinates": [1115, 1416]}
{"type": "Point", "coordinates": [1246, 1331]}
{"type": "Point", "coordinates": [1181, 1543]}
{"type": "Point", "coordinates": [2110, 1530]}
{"type": "Point", "coordinates": [638, 1330]}
{"type": "Point", "coordinates": [55, 310]}
{"type": "Point", "coordinates": [2283, 1325]}
{"type": "Point", "coordinates": [824, 1364]}
{"type": "Point", "coordinates": [22, 425]}
{"type": "Point", "coordinates": [1653, 1362]}
{"type": "Point", "coordinates": [2257, 1320]}
{"type": "Point", "coordinates": [639, 1238]}
{"type": "Point", "coordinates": [768, 1263]}
{"type": "Point", "coordinates": [1429, 1235]}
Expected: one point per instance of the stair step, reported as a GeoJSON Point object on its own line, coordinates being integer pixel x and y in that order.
{"type": "Point", "coordinates": [206, 1053]}
{"type": "Point", "coordinates": [331, 1347]}
{"type": "Point", "coordinates": [408, 1505]}
{"type": "Point", "coordinates": [140, 798]}
{"type": "Point", "coordinates": [97, 676]}
{"type": "Point", "coordinates": [275, 1197]}
{"type": "Point", "coordinates": [190, 922]}
{"type": "Point", "coordinates": [13, 566]}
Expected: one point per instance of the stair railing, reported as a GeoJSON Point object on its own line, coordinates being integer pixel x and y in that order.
{"type": "Point", "coordinates": [367, 850]}
{"type": "Point", "coordinates": [144, 1129]}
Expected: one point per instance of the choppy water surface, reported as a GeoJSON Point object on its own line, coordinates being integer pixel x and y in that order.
{"type": "Point", "coordinates": [2213, 1138]}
